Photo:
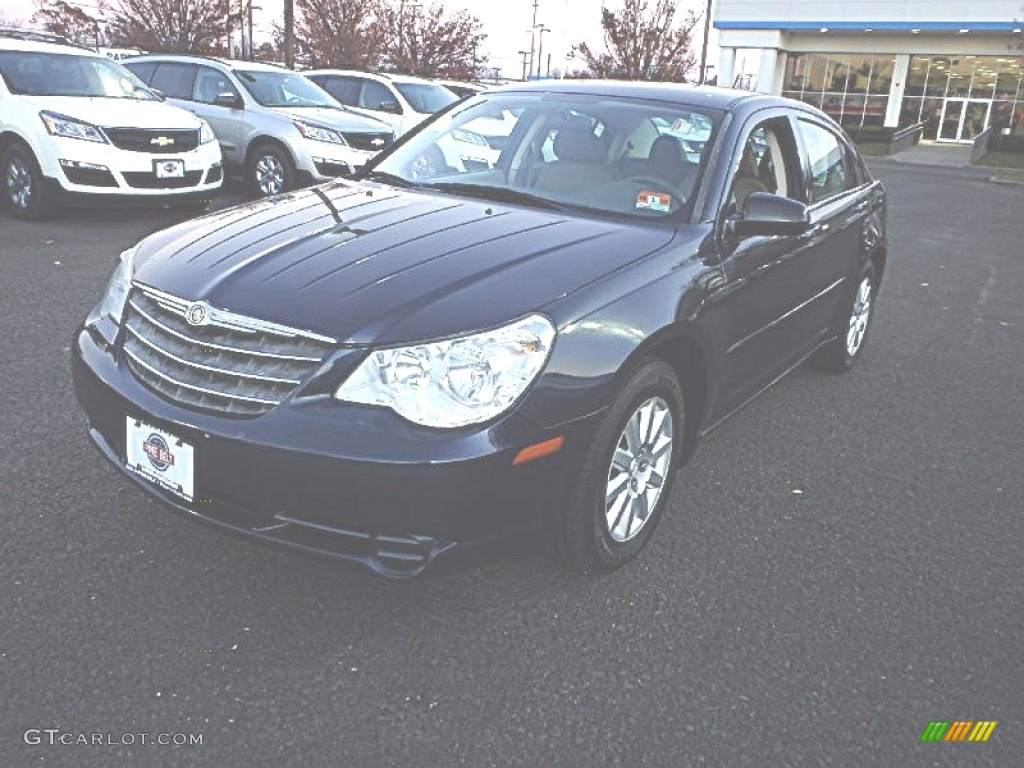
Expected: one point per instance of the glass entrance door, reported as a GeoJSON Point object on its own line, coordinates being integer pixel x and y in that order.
{"type": "Point", "coordinates": [949, 125]}
{"type": "Point", "coordinates": [963, 119]}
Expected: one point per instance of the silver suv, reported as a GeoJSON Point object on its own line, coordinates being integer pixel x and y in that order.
{"type": "Point", "coordinates": [276, 129]}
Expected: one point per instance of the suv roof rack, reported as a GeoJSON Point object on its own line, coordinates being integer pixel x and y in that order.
{"type": "Point", "coordinates": [39, 36]}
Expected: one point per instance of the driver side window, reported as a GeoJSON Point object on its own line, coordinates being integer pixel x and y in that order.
{"type": "Point", "coordinates": [210, 84]}
{"type": "Point", "coordinates": [766, 164]}
{"type": "Point", "coordinates": [374, 95]}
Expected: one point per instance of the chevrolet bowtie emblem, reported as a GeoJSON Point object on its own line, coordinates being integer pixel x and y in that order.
{"type": "Point", "coordinates": [377, 142]}
{"type": "Point", "coordinates": [162, 141]}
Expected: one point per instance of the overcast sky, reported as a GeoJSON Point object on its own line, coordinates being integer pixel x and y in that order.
{"type": "Point", "coordinates": [506, 23]}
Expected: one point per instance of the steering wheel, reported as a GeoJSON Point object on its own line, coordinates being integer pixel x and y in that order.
{"type": "Point", "coordinates": [428, 164]}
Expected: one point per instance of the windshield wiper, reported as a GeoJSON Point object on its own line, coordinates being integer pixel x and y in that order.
{"type": "Point", "coordinates": [388, 178]}
{"type": "Point", "coordinates": [498, 194]}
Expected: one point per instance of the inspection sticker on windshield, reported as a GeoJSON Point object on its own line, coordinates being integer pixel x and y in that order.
{"type": "Point", "coordinates": [654, 201]}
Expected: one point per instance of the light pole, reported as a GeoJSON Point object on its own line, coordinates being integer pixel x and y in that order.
{"type": "Point", "coordinates": [526, 58]}
{"type": "Point", "coordinates": [704, 47]}
{"type": "Point", "coordinates": [540, 49]}
{"type": "Point", "coordinates": [252, 52]}
{"type": "Point", "coordinates": [533, 39]}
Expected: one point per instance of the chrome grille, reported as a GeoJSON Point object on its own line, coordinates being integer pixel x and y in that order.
{"type": "Point", "coordinates": [231, 364]}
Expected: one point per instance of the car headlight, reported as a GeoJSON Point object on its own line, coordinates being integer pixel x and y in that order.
{"type": "Point", "coordinates": [69, 128]}
{"type": "Point", "coordinates": [319, 133]}
{"type": "Point", "coordinates": [206, 134]}
{"type": "Point", "coordinates": [456, 382]}
{"type": "Point", "coordinates": [118, 288]}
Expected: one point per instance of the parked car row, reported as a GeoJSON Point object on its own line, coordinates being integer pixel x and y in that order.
{"type": "Point", "coordinates": [77, 126]}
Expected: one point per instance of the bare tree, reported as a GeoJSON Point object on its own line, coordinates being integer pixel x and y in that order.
{"type": "Point", "coordinates": [67, 20]}
{"type": "Point", "coordinates": [433, 43]}
{"type": "Point", "coordinates": [339, 33]}
{"type": "Point", "coordinates": [645, 40]}
{"type": "Point", "coordinates": [182, 26]}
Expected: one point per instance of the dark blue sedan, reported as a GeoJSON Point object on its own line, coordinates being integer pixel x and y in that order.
{"type": "Point", "coordinates": [521, 316]}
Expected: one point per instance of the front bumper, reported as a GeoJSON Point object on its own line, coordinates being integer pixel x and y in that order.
{"type": "Point", "coordinates": [316, 476]}
{"type": "Point", "coordinates": [85, 170]}
{"type": "Point", "coordinates": [329, 161]}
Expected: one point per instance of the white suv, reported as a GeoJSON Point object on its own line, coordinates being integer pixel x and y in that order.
{"type": "Point", "coordinates": [76, 126]}
{"type": "Point", "coordinates": [401, 101]}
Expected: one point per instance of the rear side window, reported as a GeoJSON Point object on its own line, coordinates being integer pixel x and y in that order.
{"type": "Point", "coordinates": [142, 69]}
{"type": "Point", "coordinates": [830, 174]}
{"type": "Point", "coordinates": [174, 79]}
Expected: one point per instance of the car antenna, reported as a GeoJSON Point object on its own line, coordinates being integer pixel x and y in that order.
{"type": "Point", "coordinates": [327, 201]}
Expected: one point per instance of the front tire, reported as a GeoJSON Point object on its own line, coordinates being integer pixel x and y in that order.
{"type": "Point", "coordinates": [270, 171]}
{"type": "Point", "coordinates": [24, 188]}
{"type": "Point", "coordinates": [840, 354]}
{"type": "Point", "coordinates": [626, 479]}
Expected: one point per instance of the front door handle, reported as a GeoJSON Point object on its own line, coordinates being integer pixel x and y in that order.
{"type": "Point", "coordinates": [862, 207]}
{"type": "Point", "coordinates": [815, 231]}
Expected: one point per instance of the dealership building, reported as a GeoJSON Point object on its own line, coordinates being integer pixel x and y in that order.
{"type": "Point", "coordinates": [956, 65]}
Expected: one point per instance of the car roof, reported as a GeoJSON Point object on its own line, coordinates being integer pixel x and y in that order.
{"type": "Point", "coordinates": [11, 43]}
{"type": "Point", "coordinates": [186, 58]}
{"type": "Point", "coordinates": [680, 93]}
{"type": "Point", "coordinates": [388, 77]}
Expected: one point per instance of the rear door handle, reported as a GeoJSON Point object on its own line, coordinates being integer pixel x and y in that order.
{"type": "Point", "coordinates": [862, 207]}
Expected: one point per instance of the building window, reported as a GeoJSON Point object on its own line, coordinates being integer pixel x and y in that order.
{"type": "Point", "coordinates": [949, 84]}
{"type": "Point", "coordinates": [851, 88]}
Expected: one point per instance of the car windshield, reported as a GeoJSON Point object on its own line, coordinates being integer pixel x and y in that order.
{"type": "Point", "coordinates": [426, 98]}
{"type": "Point", "coordinates": [284, 89]}
{"type": "Point", "coordinates": [33, 73]}
{"type": "Point", "coordinates": [608, 154]}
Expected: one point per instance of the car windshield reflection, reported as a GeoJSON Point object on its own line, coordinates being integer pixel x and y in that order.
{"type": "Point", "coordinates": [612, 155]}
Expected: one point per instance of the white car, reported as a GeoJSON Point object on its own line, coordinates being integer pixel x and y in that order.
{"type": "Point", "coordinates": [76, 126]}
{"type": "Point", "coordinates": [399, 100]}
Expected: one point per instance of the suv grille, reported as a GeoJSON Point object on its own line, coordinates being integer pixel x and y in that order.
{"type": "Point", "coordinates": [230, 364]}
{"type": "Point", "coordinates": [368, 142]}
{"type": "Point", "coordinates": [154, 141]}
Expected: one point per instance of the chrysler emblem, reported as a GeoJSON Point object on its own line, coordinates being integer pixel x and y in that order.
{"type": "Point", "coordinates": [162, 141]}
{"type": "Point", "coordinates": [198, 313]}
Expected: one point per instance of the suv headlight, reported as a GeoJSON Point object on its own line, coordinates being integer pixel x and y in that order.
{"type": "Point", "coordinates": [120, 284]}
{"type": "Point", "coordinates": [69, 128]}
{"type": "Point", "coordinates": [456, 382]}
{"type": "Point", "coordinates": [206, 134]}
{"type": "Point", "coordinates": [319, 133]}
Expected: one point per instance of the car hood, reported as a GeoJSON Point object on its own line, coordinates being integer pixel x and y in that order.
{"type": "Point", "coordinates": [338, 119]}
{"type": "Point", "coordinates": [109, 112]}
{"type": "Point", "coordinates": [403, 265]}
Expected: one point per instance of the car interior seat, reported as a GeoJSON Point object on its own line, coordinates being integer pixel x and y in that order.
{"type": "Point", "coordinates": [581, 160]}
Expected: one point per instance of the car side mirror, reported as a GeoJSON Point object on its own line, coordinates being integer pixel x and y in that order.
{"type": "Point", "coordinates": [230, 100]}
{"type": "Point", "coordinates": [768, 215]}
{"type": "Point", "coordinates": [390, 106]}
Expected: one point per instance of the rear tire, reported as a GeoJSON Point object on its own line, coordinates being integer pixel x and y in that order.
{"type": "Point", "coordinates": [25, 190]}
{"type": "Point", "coordinates": [270, 171]}
{"type": "Point", "coordinates": [840, 354]}
{"type": "Point", "coordinates": [626, 479]}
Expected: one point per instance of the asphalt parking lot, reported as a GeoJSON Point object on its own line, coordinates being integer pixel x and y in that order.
{"type": "Point", "coordinates": [842, 563]}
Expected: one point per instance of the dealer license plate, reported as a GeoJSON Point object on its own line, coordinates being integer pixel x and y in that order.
{"type": "Point", "coordinates": [161, 458]}
{"type": "Point", "coordinates": [169, 169]}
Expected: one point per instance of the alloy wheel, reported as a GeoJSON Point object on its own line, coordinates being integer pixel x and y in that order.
{"type": "Point", "coordinates": [19, 183]}
{"type": "Point", "coordinates": [859, 317]}
{"type": "Point", "coordinates": [638, 470]}
{"type": "Point", "coordinates": [269, 175]}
